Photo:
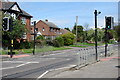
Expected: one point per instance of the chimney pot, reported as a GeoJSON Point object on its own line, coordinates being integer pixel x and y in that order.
{"type": "Point", "coordinates": [46, 20]}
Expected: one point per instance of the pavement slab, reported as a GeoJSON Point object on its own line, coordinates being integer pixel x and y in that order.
{"type": "Point", "coordinates": [103, 69]}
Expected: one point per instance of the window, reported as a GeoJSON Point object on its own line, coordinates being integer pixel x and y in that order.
{"type": "Point", "coordinates": [23, 20]}
{"type": "Point", "coordinates": [36, 29]}
{"type": "Point", "coordinates": [24, 36]}
{"type": "Point", "coordinates": [43, 29]}
{"type": "Point", "coordinates": [13, 15]}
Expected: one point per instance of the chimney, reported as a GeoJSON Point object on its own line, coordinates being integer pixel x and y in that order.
{"type": "Point", "coordinates": [46, 20]}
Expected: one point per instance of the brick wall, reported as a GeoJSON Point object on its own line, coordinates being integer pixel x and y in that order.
{"type": "Point", "coordinates": [41, 25]}
{"type": "Point", "coordinates": [28, 25]}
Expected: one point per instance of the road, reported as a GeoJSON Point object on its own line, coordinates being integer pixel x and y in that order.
{"type": "Point", "coordinates": [37, 66]}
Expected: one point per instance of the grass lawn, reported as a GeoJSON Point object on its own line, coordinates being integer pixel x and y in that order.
{"type": "Point", "coordinates": [44, 49]}
{"type": "Point", "coordinates": [84, 45]}
{"type": "Point", "coordinates": [78, 46]}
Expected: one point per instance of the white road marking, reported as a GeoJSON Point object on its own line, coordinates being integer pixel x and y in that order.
{"type": "Point", "coordinates": [33, 62]}
{"type": "Point", "coordinates": [55, 54]}
{"type": "Point", "coordinates": [77, 53]}
{"type": "Point", "coordinates": [42, 75]}
{"type": "Point", "coordinates": [18, 65]}
{"type": "Point", "coordinates": [23, 64]}
{"type": "Point", "coordinates": [13, 61]}
{"type": "Point", "coordinates": [26, 64]}
{"type": "Point", "coordinates": [67, 59]}
{"type": "Point", "coordinates": [19, 62]}
{"type": "Point", "coordinates": [6, 68]}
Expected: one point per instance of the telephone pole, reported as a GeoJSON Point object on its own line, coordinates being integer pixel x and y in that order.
{"type": "Point", "coordinates": [76, 28]}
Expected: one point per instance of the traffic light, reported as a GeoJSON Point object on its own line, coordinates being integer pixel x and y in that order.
{"type": "Point", "coordinates": [5, 24]}
{"type": "Point", "coordinates": [109, 22]}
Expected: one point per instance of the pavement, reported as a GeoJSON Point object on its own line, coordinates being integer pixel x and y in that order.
{"type": "Point", "coordinates": [105, 68]}
{"type": "Point", "coordinates": [15, 56]}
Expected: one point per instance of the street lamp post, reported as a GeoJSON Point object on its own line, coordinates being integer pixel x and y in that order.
{"type": "Point", "coordinates": [34, 37]}
{"type": "Point", "coordinates": [96, 13]}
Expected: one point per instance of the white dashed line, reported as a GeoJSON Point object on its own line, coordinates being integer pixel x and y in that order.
{"type": "Point", "coordinates": [42, 75]}
{"type": "Point", "coordinates": [18, 65]}
{"type": "Point", "coordinates": [6, 68]}
{"type": "Point", "coordinates": [23, 64]}
{"type": "Point", "coordinates": [19, 62]}
{"type": "Point", "coordinates": [12, 61]}
{"type": "Point", "coordinates": [67, 59]}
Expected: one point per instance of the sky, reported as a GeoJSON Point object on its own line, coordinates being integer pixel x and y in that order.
{"type": "Point", "coordinates": [63, 14]}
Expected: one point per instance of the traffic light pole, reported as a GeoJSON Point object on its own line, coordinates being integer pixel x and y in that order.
{"type": "Point", "coordinates": [11, 48]}
{"type": "Point", "coordinates": [96, 34]}
{"type": "Point", "coordinates": [106, 39]}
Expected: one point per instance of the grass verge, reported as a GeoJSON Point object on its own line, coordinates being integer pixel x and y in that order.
{"type": "Point", "coordinates": [84, 45]}
{"type": "Point", "coordinates": [38, 50]}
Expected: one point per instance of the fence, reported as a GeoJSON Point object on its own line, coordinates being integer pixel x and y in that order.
{"type": "Point", "coordinates": [88, 55]}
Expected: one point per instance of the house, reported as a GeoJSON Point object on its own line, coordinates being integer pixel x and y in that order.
{"type": "Point", "coordinates": [13, 9]}
{"type": "Point", "coordinates": [64, 31]}
{"type": "Point", "coordinates": [48, 29]}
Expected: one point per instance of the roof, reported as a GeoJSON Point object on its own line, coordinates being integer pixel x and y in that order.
{"type": "Point", "coordinates": [26, 14]}
{"type": "Point", "coordinates": [50, 24]}
{"type": "Point", "coordinates": [9, 5]}
{"type": "Point", "coordinates": [64, 31]}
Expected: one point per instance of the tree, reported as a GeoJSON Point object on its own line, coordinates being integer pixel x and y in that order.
{"type": "Point", "coordinates": [79, 32]}
{"type": "Point", "coordinates": [17, 32]}
{"type": "Point", "coordinates": [67, 29]}
{"type": "Point", "coordinates": [86, 26]}
{"type": "Point", "coordinates": [100, 34]}
{"type": "Point", "coordinates": [90, 35]}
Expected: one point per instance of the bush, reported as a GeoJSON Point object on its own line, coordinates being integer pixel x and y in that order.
{"type": "Point", "coordinates": [111, 41]}
{"type": "Point", "coordinates": [49, 42]}
{"type": "Point", "coordinates": [69, 39]}
{"type": "Point", "coordinates": [16, 44]}
{"type": "Point", "coordinates": [40, 38]}
{"type": "Point", "coordinates": [40, 43]}
{"type": "Point", "coordinates": [25, 45]}
{"type": "Point", "coordinates": [58, 42]}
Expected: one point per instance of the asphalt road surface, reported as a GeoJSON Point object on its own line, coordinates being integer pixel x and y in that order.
{"type": "Point", "coordinates": [37, 66]}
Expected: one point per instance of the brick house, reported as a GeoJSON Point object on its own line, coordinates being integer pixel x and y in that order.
{"type": "Point", "coordinates": [47, 29]}
{"type": "Point", "coordinates": [13, 9]}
